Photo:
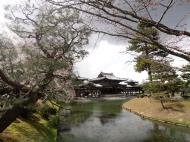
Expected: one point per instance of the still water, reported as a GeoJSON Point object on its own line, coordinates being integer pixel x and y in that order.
{"type": "Point", "coordinates": [105, 121]}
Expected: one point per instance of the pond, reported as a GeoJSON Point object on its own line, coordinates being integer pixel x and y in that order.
{"type": "Point", "coordinates": [105, 121]}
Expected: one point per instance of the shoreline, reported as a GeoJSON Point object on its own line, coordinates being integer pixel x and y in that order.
{"type": "Point", "coordinates": [105, 98]}
{"type": "Point", "coordinates": [161, 119]}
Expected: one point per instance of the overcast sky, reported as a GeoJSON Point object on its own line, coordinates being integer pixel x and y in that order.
{"type": "Point", "coordinates": [105, 55]}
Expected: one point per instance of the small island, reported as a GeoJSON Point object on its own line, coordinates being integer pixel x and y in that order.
{"type": "Point", "coordinates": [175, 112]}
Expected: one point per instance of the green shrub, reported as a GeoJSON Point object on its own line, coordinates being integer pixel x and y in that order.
{"type": "Point", "coordinates": [53, 121]}
{"type": "Point", "coordinates": [46, 111]}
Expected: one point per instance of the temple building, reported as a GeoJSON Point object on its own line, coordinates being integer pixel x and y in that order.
{"type": "Point", "coordinates": [106, 84]}
{"type": "Point", "coordinates": [109, 82]}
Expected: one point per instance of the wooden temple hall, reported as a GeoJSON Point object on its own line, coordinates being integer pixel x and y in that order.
{"type": "Point", "coordinates": [106, 84]}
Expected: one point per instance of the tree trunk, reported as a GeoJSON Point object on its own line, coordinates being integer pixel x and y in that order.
{"type": "Point", "coordinates": [161, 101]}
{"type": "Point", "coordinates": [173, 93]}
{"type": "Point", "coordinates": [32, 96]}
{"type": "Point", "coordinates": [149, 74]}
{"type": "Point", "coordinates": [149, 68]}
{"type": "Point", "coordinates": [9, 116]}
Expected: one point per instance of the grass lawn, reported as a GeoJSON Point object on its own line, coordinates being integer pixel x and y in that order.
{"type": "Point", "coordinates": [34, 130]}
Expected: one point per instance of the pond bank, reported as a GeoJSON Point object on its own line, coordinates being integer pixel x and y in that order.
{"type": "Point", "coordinates": [178, 113]}
{"type": "Point", "coordinates": [106, 121]}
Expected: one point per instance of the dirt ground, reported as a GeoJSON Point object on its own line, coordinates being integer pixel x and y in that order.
{"type": "Point", "coordinates": [178, 112]}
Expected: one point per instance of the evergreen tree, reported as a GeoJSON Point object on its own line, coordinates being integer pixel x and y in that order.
{"type": "Point", "coordinates": [147, 52]}
{"type": "Point", "coordinates": [186, 74]}
{"type": "Point", "coordinates": [186, 77]}
{"type": "Point", "coordinates": [165, 77]}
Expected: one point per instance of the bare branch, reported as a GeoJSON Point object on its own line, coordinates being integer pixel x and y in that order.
{"type": "Point", "coordinates": [167, 8]}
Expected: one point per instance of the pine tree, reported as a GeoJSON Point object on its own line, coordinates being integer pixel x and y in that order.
{"type": "Point", "coordinates": [147, 52]}
{"type": "Point", "coordinates": [165, 77]}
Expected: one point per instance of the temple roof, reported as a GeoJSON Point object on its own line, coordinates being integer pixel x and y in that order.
{"type": "Point", "coordinates": [82, 78]}
{"type": "Point", "coordinates": [103, 74]}
{"type": "Point", "coordinates": [109, 76]}
{"type": "Point", "coordinates": [85, 84]}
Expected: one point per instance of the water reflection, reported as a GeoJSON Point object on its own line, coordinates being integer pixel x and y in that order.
{"type": "Point", "coordinates": [106, 122]}
{"type": "Point", "coordinates": [166, 134]}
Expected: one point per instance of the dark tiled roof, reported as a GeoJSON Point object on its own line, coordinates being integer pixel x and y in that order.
{"type": "Point", "coordinates": [109, 76]}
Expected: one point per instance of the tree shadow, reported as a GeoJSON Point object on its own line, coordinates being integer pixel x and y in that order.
{"type": "Point", "coordinates": [179, 107]}
{"type": "Point", "coordinates": [41, 130]}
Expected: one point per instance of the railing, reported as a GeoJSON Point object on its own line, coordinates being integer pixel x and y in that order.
{"type": "Point", "coordinates": [98, 92]}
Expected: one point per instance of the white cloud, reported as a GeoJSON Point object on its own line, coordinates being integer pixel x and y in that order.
{"type": "Point", "coordinates": [107, 57]}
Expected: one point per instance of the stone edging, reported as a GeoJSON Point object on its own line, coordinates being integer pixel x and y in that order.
{"type": "Point", "coordinates": [156, 119]}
